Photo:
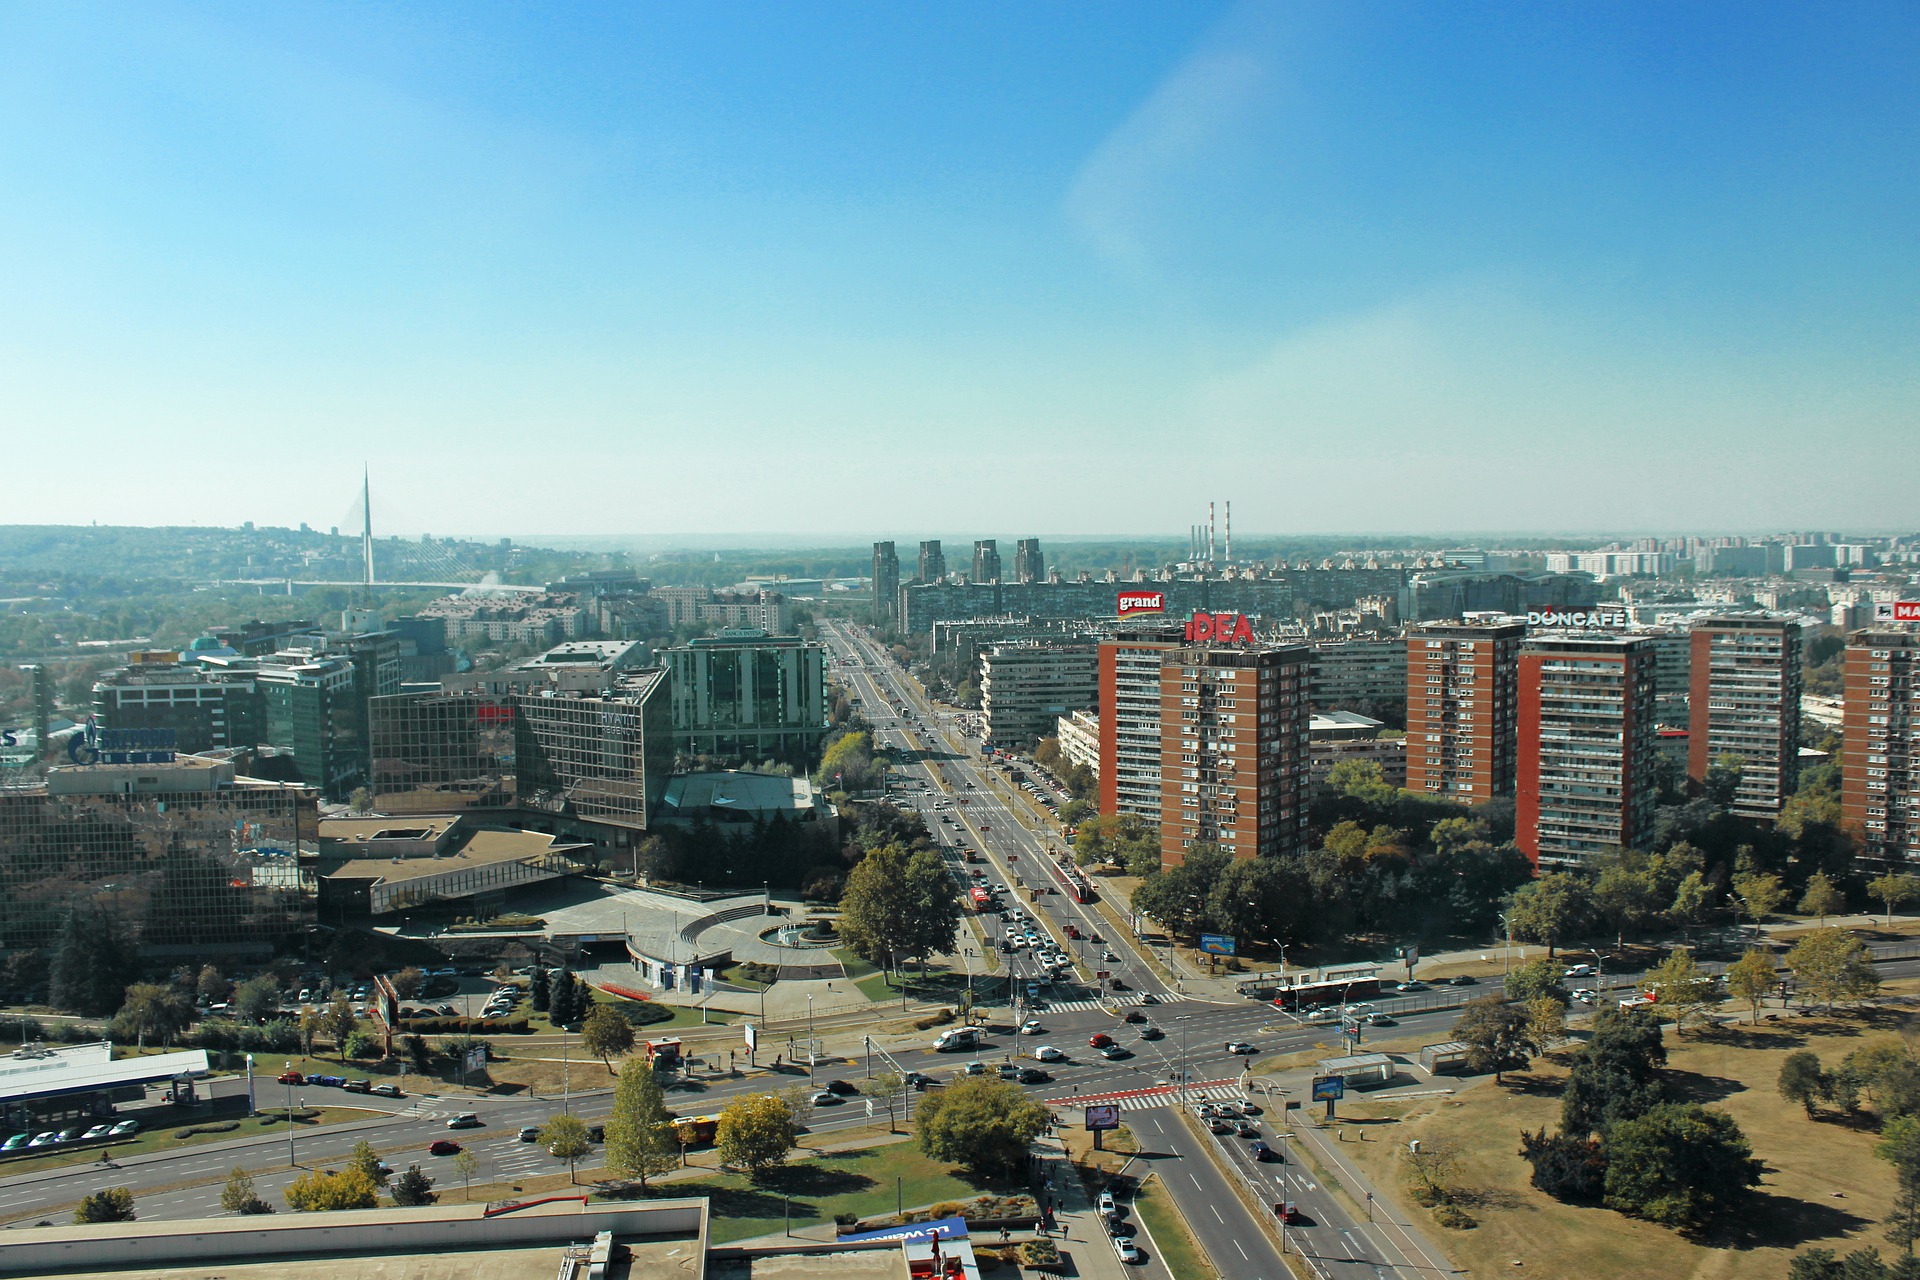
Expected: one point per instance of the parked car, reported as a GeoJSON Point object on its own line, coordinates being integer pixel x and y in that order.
{"type": "Point", "coordinates": [291, 1077]}
{"type": "Point", "coordinates": [1129, 1252]}
{"type": "Point", "coordinates": [465, 1120]}
{"type": "Point", "coordinates": [388, 1090]}
{"type": "Point", "coordinates": [443, 1147]}
{"type": "Point", "coordinates": [124, 1128]}
{"type": "Point", "coordinates": [98, 1131]}
{"type": "Point", "coordinates": [1106, 1204]}
{"type": "Point", "coordinates": [15, 1143]}
{"type": "Point", "coordinates": [358, 1086]}
{"type": "Point", "coordinates": [43, 1140]}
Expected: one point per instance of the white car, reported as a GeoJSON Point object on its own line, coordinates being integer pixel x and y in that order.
{"type": "Point", "coordinates": [1585, 995]}
{"type": "Point", "coordinates": [1106, 1204]}
{"type": "Point", "coordinates": [1129, 1251]}
{"type": "Point", "coordinates": [1031, 1027]}
{"type": "Point", "coordinates": [1047, 1053]}
{"type": "Point", "coordinates": [1239, 1046]}
{"type": "Point", "coordinates": [1579, 971]}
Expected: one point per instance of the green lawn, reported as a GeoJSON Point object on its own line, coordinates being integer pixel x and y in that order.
{"type": "Point", "coordinates": [1178, 1249]}
{"type": "Point", "coordinates": [814, 1189]}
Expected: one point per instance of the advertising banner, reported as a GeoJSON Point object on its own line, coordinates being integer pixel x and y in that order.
{"type": "Point", "coordinates": [1219, 944]}
{"type": "Point", "coordinates": [1896, 611]}
{"type": "Point", "coordinates": [1329, 1088]}
{"type": "Point", "coordinates": [1136, 603]}
{"type": "Point", "coordinates": [1103, 1117]}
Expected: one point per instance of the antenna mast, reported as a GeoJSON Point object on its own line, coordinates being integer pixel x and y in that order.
{"type": "Point", "coordinates": [366, 533]}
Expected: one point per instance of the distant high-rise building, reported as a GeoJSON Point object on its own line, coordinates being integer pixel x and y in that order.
{"type": "Point", "coordinates": [886, 585]}
{"type": "Point", "coordinates": [1463, 709]}
{"type": "Point", "coordinates": [1745, 703]}
{"type": "Point", "coordinates": [1880, 769]}
{"type": "Point", "coordinates": [933, 562]}
{"type": "Point", "coordinates": [1029, 565]}
{"type": "Point", "coordinates": [1586, 775]}
{"type": "Point", "coordinates": [1026, 687]}
{"type": "Point", "coordinates": [1234, 754]}
{"type": "Point", "coordinates": [986, 560]}
{"type": "Point", "coordinates": [748, 694]}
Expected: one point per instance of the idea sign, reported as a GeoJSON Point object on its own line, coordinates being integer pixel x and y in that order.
{"type": "Point", "coordinates": [1221, 628]}
{"type": "Point", "coordinates": [1137, 602]}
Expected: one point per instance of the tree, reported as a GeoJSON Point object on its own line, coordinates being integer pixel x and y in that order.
{"type": "Point", "coordinates": [1722, 780]}
{"type": "Point", "coordinates": [93, 962]}
{"type": "Point", "coordinates": [1497, 1034]}
{"type": "Point", "coordinates": [366, 1160]}
{"type": "Point", "coordinates": [640, 1142]}
{"type": "Point", "coordinates": [1822, 898]}
{"type": "Point", "coordinates": [341, 1022]}
{"type": "Point", "coordinates": [563, 999]}
{"type": "Point", "coordinates": [1750, 978]}
{"type": "Point", "coordinates": [1535, 980]}
{"type": "Point", "coordinates": [1546, 1021]}
{"type": "Point", "coordinates": [255, 999]}
{"type": "Point", "coordinates": [538, 990]}
{"type": "Point", "coordinates": [1681, 991]}
{"type": "Point", "coordinates": [1548, 910]}
{"type": "Point", "coordinates": [1626, 897]}
{"type": "Point", "coordinates": [933, 906]}
{"type": "Point", "coordinates": [408, 982]}
{"type": "Point", "coordinates": [1615, 1075]}
{"type": "Point", "coordinates": [213, 986]}
{"type": "Point", "coordinates": [1802, 1079]}
{"type": "Point", "coordinates": [239, 1196]}
{"type": "Point", "coordinates": [1893, 889]}
{"type": "Point", "coordinates": [419, 1053]}
{"type": "Point", "coordinates": [606, 1034]}
{"type": "Point", "coordinates": [1832, 964]}
{"type": "Point", "coordinates": [466, 1164]}
{"type": "Point", "coordinates": [312, 1022]}
{"type": "Point", "coordinates": [112, 1205]}
{"type": "Point", "coordinates": [886, 1086]}
{"type": "Point", "coordinates": [876, 908]}
{"type": "Point", "coordinates": [982, 1123]}
{"type": "Point", "coordinates": [1680, 1164]}
{"type": "Point", "coordinates": [322, 1190]}
{"type": "Point", "coordinates": [565, 1136]}
{"type": "Point", "coordinates": [1565, 1166]}
{"type": "Point", "coordinates": [414, 1187]}
{"type": "Point", "coordinates": [151, 1009]}
{"type": "Point", "coordinates": [1759, 893]}
{"type": "Point", "coordinates": [1692, 900]}
{"type": "Point", "coordinates": [755, 1133]}
{"type": "Point", "coordinates": [1899, 1146]}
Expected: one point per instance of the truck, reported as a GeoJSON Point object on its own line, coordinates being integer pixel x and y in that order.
{"type": "Point", "coordinates": [955, 1039]}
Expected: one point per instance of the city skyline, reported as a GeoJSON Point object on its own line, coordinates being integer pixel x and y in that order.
{"type": "Point", "coordinates": [1497, 270]}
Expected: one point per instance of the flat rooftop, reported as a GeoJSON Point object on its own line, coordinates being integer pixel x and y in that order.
{"type": "Point", "coordinates": [746, 793]}
{"type": "Point", "coordinates": [482, 849]}
{"type": "Point", "coordinates": [51, 1071]}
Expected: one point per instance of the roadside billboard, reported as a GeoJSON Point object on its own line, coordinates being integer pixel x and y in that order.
{"type": "Point", "coordinates": [1103, 1117]}
{"type": "Point", "coordinates": [1133, 604]}
{"type": "Point", "coordinates": [1329, 1088]}
{"type": "Point", "coordinates": [1218, 944]}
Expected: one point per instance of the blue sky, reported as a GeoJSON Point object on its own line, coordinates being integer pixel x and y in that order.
{"type": "Point", "coordinates": [930, 269]}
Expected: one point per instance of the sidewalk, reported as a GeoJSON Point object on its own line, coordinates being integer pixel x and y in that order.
{"type": "Point", "coordinates": [1078, 1230]}
{"type": "Point", "coordinates": [1401, 1235]}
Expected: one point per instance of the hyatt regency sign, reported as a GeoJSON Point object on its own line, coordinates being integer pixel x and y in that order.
{"type": "Point", "coordinates": [1591, 619]}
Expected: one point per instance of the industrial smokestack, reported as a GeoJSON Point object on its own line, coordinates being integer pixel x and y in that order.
{"type": "Point", "coordinates": [1229, 531]}
{"type": "Point", "coordinates": [1212, 524]}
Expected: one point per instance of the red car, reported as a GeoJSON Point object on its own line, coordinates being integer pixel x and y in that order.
{"type": "Point", "coordinates": [1099, 1040]}
{"type": "Point", "coordinates": [292, 1077]}
{"type": "Point", "coordinates": [444, 1147]}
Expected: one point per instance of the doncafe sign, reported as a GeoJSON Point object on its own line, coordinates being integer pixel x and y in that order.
{"type": "Point", "coordinates": [1576, 618]}
{"type": "Point", "coordinates": [1222, 628]}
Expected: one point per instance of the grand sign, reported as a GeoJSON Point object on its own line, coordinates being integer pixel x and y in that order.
{"type": "Point", "coordinates": [1221, 628]}
{"type": "Point", "coordinates": [1593, 619]}
{"type": "Point", "coordinates": [95, 745]}
{"type": "Point", "coordinates": [1138, 602]}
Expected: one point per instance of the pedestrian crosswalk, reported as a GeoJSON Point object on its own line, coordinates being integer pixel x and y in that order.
{"type": "Point", "coordinates": [1084, 1006]}
{"type": "Point", "coordinates": [1157, 1096]}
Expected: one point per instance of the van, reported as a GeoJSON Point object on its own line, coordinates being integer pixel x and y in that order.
{"type": "Point", "coordinates": [954, 1038]}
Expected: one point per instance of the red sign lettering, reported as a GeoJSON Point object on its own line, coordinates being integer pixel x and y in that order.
{"type": "Point", "coordinates": [1222, 628]}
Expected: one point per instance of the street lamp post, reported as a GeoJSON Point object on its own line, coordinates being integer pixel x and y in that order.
{"type": "Point", "coordinates": [1183, 1019]}
{"type": "Point", "coordinates": [251, 1109]}
{"type": "Point", "coordinates": [288, 1081]}
{"type": "Point", "coordinates": [810, 1038]}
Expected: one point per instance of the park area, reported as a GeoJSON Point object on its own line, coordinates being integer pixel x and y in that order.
{"type": "Point", "coordinates": [1822, 1185]}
